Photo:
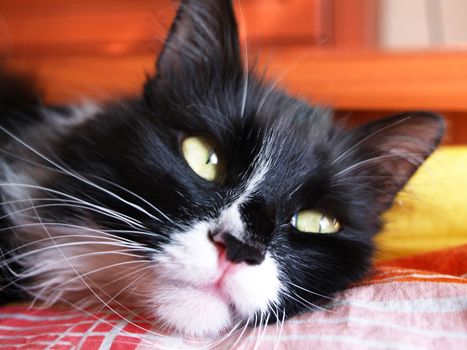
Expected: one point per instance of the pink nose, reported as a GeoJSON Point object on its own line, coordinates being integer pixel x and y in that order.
{"type": "Point", "coordinates": [236, 251]}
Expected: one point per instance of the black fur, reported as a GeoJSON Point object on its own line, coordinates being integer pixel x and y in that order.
{"type": "Point", "coordinates": [201, 88]}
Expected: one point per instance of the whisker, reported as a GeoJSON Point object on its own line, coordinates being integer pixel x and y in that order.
{"type": "Point", "coordinates": [215, 342]}
{"type": "Point", "coordinates": [106, 267]}
{"type": "Point", "coordinates": [66, 205]}
{"type": "Point", "coordinates": [281, 77]}
{"type": "Point", "coordinates": [311, 292]}
{"type": "Point", "coordinates": [34, 271]}
{"type": "Point", "coordinates": [122, 217]}
{"type": "Point", "coordinates": [80, 277]}
{"type": "Point", "coordinates": [344, 154]}
{"type": "Point", "coordinates": [241, 334]}
{"type": "Point", "coordinates": [76, 176]}
{"type": "Point", "coordinates": [264, 331]}
{"type": "Point", "coordinates": [310, 303]}
{"type": "Point", "coordinates": [98, 177]}
{"type": "Point", "coordinates": [246, 68]}
{"type": "Point", "coordinates": [70, 244]}
{"type": "Point", "coordinates": [374, 159]}
{"type": "Point", "coordinates": [89, 287]}
{"type": "Point", "coordinates": [38, 295]}
{"type": "Point", "coordinates": [113, 241]}
{"type": "Point", "coordinates": [100, 319]}
{"type": "Point", "coordinates": [281, 327]}
{"type": "Point", "coordinates": [136, 196]}
{"type": "Point", "coordinates": [257, 335]}
{"type": "Point", "coordinates": [274, 310]}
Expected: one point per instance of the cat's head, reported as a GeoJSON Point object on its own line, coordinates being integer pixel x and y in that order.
{"type": "Point", "coordinates": [252, 204]}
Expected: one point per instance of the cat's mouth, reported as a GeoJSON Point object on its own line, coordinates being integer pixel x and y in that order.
{"type": "Point", "coordinates": [200, 292]}
{"type": "Point", "coordinates": [221, 285]}
{"type": "Point", "coordinates": [197, 310]}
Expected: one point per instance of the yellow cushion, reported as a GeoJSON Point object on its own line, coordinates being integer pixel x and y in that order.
{"type": "Point", "coordinates": [431, 212]}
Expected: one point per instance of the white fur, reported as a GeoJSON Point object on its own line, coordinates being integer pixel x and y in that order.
{"type": "Point", "coordinates": [193, 311]}
{"type": "Point", "coordinates": [191, 292]}
{"type": "Point", "coordinates": [79, 114]}
{"type": "Point", "coordinates": [231, 221]}
{"type": "Point", "coordinates": [261, 164]}
{"type": "Point", "coordinates": [254, 288]}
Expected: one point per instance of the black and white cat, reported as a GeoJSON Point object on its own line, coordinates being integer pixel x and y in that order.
{"type": "Point", "coordinates": [210, 200]}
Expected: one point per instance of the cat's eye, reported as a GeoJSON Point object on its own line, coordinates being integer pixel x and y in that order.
{"type": "Point", "coordinates": [203, 157]}
{"type": "Point", "coordinates": [314, 221]}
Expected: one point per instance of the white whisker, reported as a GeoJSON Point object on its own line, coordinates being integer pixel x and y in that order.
{"type": "Point", "coordinates": [76, 176]}
{"type": "Point", "coordinates": [374, 159]}
{"type": "Point", "coordinates": [71, 244]}
{"type": "Point", "coordinates": [111, 212]}
{"type": "Point", "coordinates": [241, 334]}
{"type": "Point", "coordinates": [98, 177]}
{"type": "Point", "coordinates": [136, 196]}
{"type": "Point", "coordinates": [344, 154]}
{"type": "Point", "coordinates": [306, 302]}
{"type": "Point", "coordinates": [64, 204]}
{"type": "Point", "coordinates": [246, 68]}
{"type": "Point", "coordinates": [264, 330]}
{"type": "Point", "coordinates": [93, 315]}
{"type": "Point", "coordinates": [311, 292]}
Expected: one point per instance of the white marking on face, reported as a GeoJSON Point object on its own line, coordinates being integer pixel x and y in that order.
{"type": "Point", "coordinates": [254, 287]}
{"type": "Point", "coordinates": [261, 164]}
{"type": "Point", "coordinates": [193, 293]}
{"type": "Point", "coordinates": [193, 311]}
{"type": "Point", "coordinates": [231, 221]}
{"type": "Point", "coordinates": [191, 258]}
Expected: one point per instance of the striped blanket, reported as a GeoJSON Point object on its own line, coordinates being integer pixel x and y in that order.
{"type": "Point", "coordinates": [411, 303]}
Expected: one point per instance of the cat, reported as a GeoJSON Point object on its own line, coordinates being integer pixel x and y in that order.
{"type": "Point", "coordinates": [214, 198]}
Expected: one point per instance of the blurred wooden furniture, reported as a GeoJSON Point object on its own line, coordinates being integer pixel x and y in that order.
{"type": "Point", "coordinates": [325, 50]}
{"type": "Point", "coordinates": [41, 27]}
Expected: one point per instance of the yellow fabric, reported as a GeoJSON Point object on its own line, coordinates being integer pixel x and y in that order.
{"type": "Point", "coordinates": [431, 212]}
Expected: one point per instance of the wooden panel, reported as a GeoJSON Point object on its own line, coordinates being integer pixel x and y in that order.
{"type": "Point", "coordinates": [347, 81]}
{"type": "Point", "coordinates": [36, 27]}
{"type": "Point", "coordinates": [354, 23]}
{"type": "Point", "coordinates": [456, 122]}
{"type": "Point", "coordinates": [285, 22]}
{"type": "Point", "coordinates": [128, 26]}
{"type": "Point", "coordinates": [378, 80]}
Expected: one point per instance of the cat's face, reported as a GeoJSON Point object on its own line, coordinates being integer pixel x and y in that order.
{"type": "Point", "coordinates": [246, 204]}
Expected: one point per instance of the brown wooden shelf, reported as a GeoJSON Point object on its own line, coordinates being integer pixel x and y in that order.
{"type": "Point", "coordinates": [378, 80]}
{"type": "Point", "coordinates": [60, 27]}
{"type": "Point", "coordinates": [344, 80]}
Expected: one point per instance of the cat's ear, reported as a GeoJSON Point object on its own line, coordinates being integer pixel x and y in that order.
{"type": "Point", "coordinates": [394, 148]}
{"type": "Point", "coordinates": [203, 39]}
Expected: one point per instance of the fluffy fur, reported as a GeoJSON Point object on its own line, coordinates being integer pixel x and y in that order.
{"type": "Point", "coordinates": [99, 206]}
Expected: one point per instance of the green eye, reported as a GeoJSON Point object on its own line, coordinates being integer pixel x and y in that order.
{"type": "Point", "coordinates": [315, 222]}
{"type": "Point", "coordinates": [201, 155]}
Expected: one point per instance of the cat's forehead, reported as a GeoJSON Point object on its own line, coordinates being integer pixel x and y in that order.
{"type": "Point", "coordinates": [269, 114]}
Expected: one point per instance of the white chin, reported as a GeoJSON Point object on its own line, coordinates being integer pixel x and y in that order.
{"type": "Point", "coordinates": [194, 312]}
